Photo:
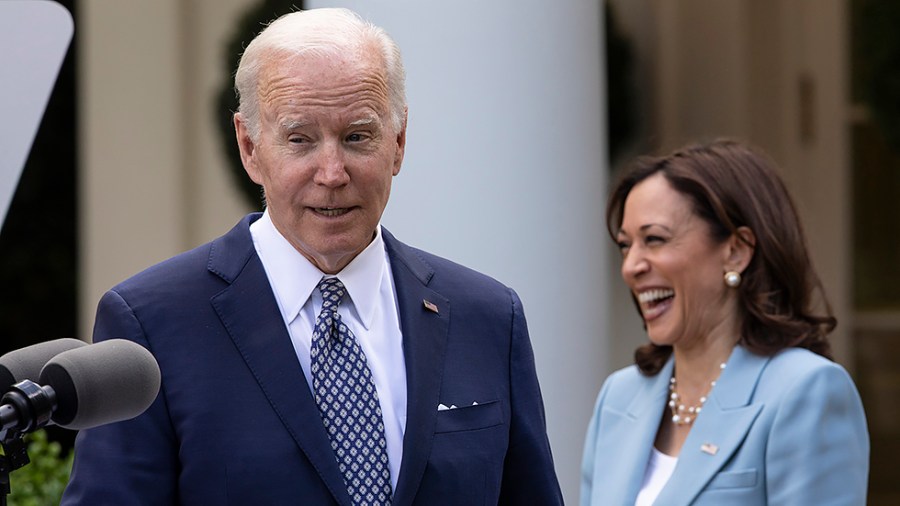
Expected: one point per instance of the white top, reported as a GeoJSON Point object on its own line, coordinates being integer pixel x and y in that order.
{"type": "Point", "coordinates": [370, 311]}
{"type": "Point", "coordinates": [659, 470]}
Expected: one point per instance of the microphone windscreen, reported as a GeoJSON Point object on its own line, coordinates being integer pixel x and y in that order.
{"type": "Point", "coordinates": [106, 382]}
{"type": "Point", "coordinates": [26, 363]}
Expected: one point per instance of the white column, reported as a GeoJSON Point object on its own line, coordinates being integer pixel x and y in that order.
{"type": "Point", "coordinates": [506, 173]}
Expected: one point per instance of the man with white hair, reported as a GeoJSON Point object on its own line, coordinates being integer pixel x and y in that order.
{"type": "Point", "coordinates": [308, 356]}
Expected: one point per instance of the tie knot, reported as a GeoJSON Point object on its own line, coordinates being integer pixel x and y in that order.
{"type": "Point", "coordinates": [332, 293]}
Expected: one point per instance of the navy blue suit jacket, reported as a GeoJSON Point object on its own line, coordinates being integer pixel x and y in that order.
{"type": "Point", "coordinates": [235, 422]}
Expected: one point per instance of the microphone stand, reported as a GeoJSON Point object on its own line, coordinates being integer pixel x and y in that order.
{"type": "Point", "coordinates": [15, 456]}
{"type": "Point", "coordinates": [25, 407]}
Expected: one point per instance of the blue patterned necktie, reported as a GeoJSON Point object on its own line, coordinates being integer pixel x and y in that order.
{"type": "Point", "coordinates": [348, 402]}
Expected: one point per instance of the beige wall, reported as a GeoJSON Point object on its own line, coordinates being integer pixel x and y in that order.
{"type": "Point", "coordinates": [773, 72]}
{"type": "Point", "coordinates": [152, 181]}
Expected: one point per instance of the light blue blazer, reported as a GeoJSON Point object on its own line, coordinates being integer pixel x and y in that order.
{"type": "Point", "coordinates": [787, 429]}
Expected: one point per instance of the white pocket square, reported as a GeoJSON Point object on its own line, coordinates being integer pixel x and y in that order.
{"type": "Point", "coordinates": [444, 407]}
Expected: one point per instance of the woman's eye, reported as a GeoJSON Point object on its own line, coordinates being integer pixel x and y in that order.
{"type": "Point", "coordinates": [654, 239]}
{"type": "Point", "coordinates": [623, 246]}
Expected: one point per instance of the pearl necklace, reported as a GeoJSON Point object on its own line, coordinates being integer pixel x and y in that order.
{"type": "Point", "coordinates": [685, 415]}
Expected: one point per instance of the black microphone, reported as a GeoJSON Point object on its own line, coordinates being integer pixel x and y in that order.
{"type": "Point", "coordinates": [106, 382]}
{"type": "Point", "coordinates": [26, 363]}
{"type": "Point", "coordinates": [85, 387]}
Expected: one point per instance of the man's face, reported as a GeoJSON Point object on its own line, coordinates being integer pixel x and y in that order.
{"type": "Point", "coordinates": [326, 152]}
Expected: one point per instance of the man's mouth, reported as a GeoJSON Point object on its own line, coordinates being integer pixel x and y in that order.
{"type": "Point", "coordinates": [331, 211]}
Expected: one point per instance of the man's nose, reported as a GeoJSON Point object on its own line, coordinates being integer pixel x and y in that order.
{"type": "Point", "coordinates": [331, 169]}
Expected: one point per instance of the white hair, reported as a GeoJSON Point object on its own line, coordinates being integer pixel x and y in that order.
{"type": "Point", "coordinates": [317, 31]}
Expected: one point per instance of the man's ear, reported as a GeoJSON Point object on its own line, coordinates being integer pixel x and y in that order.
{"type": "Point", "coordinates": [247, 148]}
{"type": "Point", "coordinates": [740, 248]}
{"type": "Point", "coordinates": [401, 144]}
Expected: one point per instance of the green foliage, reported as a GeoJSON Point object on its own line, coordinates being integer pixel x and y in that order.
{"type": "Point", "coordinates": [41, 482]}
{"type": "Point", "coordinates": [251, 23]}
{"type": "Point", "coordinates": [877, 62]}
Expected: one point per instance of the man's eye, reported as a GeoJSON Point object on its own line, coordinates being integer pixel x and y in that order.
{"type": "Point", "coordinates": [296, 140]}
{"type": "Point", "coordinates": [356, 137]}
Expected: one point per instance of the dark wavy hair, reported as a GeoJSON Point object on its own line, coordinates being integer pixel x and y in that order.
{"type": "Point", "coordinates": [731, 185]}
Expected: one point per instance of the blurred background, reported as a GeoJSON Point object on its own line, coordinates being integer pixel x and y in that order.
{"type": "Point", "coordinates": [520, 113]}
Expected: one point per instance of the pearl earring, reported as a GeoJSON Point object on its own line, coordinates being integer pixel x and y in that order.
{"type": "Point", "coordinates": [733, 279]}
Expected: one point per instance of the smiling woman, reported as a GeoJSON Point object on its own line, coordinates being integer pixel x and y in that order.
{"type": "Point", "coordinates": [735, 399]}
{"type": "Point", "coordinates": [727, 193]}
{"type": "Point", "coordinates": [673, 264]}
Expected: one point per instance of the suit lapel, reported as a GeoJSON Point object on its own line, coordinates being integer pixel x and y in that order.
{"type": "Point", "coordinates": [424, 343]}
{"type": "Point", "coordinates": [719, 431]}
{"type": "Point", "coordinates": [249, 312]}
{"type": "Point", "coordinates": [629, 437]}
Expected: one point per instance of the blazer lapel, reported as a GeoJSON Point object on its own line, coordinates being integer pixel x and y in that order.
{"type": "Point", "coordinates": [249, 312]}
{"type": "Point", "coordinates": [630, 436]}
{"type": "Point", "coordinates": [719, 431]}
{"type": "Point", "coordinates": [424, 343]}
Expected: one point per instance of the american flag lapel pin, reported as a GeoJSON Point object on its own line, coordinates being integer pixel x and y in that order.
{"type": "Point", "coordinates": [709, 448]}
{"type": "Point", "coordinates": [431, 306]}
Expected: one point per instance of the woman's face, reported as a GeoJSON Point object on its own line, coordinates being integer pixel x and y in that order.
{"type": "Point", "coordinates": [673, 267]}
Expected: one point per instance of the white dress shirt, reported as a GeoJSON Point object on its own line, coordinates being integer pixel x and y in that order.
{"type": "Point", "coordinates": [370, 311]}
{"type": "Point", "coordinates": [659, 470]}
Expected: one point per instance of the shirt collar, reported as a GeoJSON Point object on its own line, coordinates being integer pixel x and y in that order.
{"type": "Point", "coordinates": [297, 278]}
{"type": "Point", "coordinates": [363, 277]}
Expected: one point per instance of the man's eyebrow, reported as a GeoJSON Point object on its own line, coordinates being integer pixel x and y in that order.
{"type": "Point", "coordinates": [294, 124]}
{"type": "Point", "coordinates": [363, 121]}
